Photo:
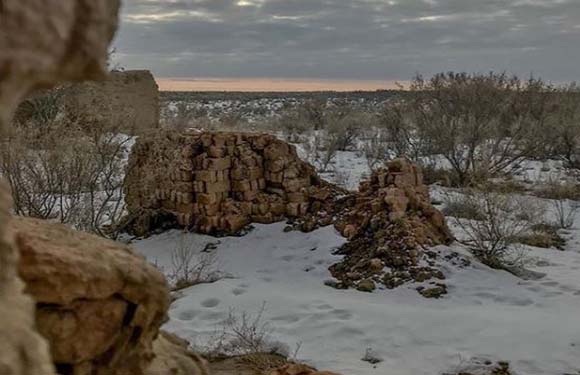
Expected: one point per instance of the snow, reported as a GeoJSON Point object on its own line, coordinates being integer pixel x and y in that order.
{"type": "Point", "coordinates": [487, 313]}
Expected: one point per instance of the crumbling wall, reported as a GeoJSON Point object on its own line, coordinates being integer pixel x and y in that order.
{"type": "Point", "coordinates": [127, 101]}
{"type": "Point", "coordinates": [218, 182]}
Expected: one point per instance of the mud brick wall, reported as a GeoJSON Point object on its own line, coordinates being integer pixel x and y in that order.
{"type": "Point", "coordinates": [217, 182]}
{"type": "Point", "coordinates": [128, 100]}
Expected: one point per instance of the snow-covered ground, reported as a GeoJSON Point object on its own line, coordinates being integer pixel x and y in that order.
{"type": "Point", "coordinates": [491, 314]}
{"type": "Point", "coordinates": [487, 313]}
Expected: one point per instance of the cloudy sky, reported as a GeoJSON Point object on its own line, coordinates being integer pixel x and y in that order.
{"type": "Point", "coordinates": [349, 40]}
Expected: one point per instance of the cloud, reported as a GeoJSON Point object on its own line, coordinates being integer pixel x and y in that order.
{"type": "Point", "coordinates": [350, 39]}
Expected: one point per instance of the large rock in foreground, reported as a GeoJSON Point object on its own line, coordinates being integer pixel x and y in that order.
{"type": "Point", "coordinates": [42, 42]}
{"type": "Point", "coordinates": [218, 183]}
{"type": "Point", "coordinates": [99, 305]}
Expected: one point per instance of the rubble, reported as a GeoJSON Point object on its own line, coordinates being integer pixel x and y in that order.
{"type": "Point", "coordinates": [218, 183]}
{"type": "Point", "coordinates": [388, 223]}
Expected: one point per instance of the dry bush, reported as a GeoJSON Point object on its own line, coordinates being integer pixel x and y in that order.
{"type": "Point", "coordinates": [243, 334]}
{"type": "Point", "coordinates": [321, 150]}
{"type": "Point", "coordinates": [313, 113]}
{"type": "Point", "coordinates": [480, 124]}
{"type": "Point", "coordinates": [294, 127]}
{"type": "Point", "coordinates": [190, 267]}
{"type": "Point", "coordinates": [67, 170]}
{"type": "Point", "coordinates": [565, 211]}
{"type": "Point", "coordinates": [543, 235]}
{"type": "Point", "coordinates": [346, 125]}
{"type": "Point", "coordinates": [375, 148]}
{"type": "Point", "coordinates": [460, 208]}
{"type": "Point", "coordinates": [502, 220]}
{"type": "Point", "coordinates": [559, 190]}
{"type": "Point", "coordinates": [564, 126]}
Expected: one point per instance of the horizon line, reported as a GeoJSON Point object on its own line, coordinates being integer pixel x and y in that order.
{"type": "Point", "coordinates": [246, 84]}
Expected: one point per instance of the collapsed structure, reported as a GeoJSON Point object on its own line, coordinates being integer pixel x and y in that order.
{"type": "Point", "coordinates": [388, 222]}
{"type": "Point", "coordinates": [218, 183]}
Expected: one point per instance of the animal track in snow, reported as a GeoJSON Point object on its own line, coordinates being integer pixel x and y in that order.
{"type": "Point", "coordinates": [210, 302]}
{"type": "Point", "coordinates": [187, 315]}
{"type": "Point", "coordinates": [238, 291]}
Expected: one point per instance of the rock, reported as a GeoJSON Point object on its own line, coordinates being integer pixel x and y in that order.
{"type": "Point", "coordinates": [299, 369]}
{"type": "Point", "coordinates": [435, 292]}
{"type": "Point", "coordinates": [42, 42]}
{"type": "Point", "coordinates": [366, 285]}
{"type": "Point", "coordinates": [22, 350]}
{"type": "Point", "coordinates": [172, 357]}
{"type": "Point", "coordinates": [98, 304]}
{"type": "Point", "coordinates": [376, 265]}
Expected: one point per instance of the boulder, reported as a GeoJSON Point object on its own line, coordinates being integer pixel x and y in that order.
{"type": "Point", "coordinates": [98, 304]}
{"type": "Point", "coordinates": [173, 357]}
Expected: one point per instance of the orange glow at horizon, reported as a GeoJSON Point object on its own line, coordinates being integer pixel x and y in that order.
{"type": "Point", "coordinates": [271, 84]}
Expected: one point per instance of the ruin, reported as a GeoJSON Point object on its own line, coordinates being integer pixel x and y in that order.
{"type": "Point", "coordinates": [217, 183]}
{"type": "Point", "coordinates": [127, 100]}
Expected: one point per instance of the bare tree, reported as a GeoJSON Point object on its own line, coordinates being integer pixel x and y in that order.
{"type": "Point", "coordinates": [480, 124]}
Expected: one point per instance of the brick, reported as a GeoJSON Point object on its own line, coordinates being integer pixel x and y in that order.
{"type": "Point", "coordinates": [217, 187]}
{"type": "Point", "coordinates": [219, 164]}
{"type": "Point", "coordinates": [205, 198]}
{"type": "Point", "coordinates": [216, 151]}
{"type": "Point", "coordinates": [206, 176]}
{"type": "Point", "coordinates": [243, 185]}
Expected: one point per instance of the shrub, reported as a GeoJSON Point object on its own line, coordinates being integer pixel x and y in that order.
{"type": "Point", "coordinates": [67, 170]}
{"type": "Point", "coordinates": [480, 124]}
{"type": "Point", "coordinates": [244, 334]}
{"type": "Point", "coordinates": [505, 218]}
{"type": "Point", "coordinates": [189, 268]}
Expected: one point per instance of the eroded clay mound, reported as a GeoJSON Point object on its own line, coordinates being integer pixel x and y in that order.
{"type": "Point", "coordinates": [387, 223]}
{"type": "Point", "coordinates": [218, 183]}
{"type": "Point", "coordinates": [97, 303]}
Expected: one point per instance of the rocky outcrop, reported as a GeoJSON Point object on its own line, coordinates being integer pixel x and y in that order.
{"type": "Point", "coordinates": [388, 223]}
{"type": "Point", "coordinates": [173, 357]}
{"type": "Point", "coordinates": [126, 101]}
{"type": "Point", "coordinates": [97, 303]}
{"type": "Point", "coordinates": [218, 183]}
{"type": "Point", "coordinates": [41, 42]}
{"type": "Point", "coordinates": [22, 350]}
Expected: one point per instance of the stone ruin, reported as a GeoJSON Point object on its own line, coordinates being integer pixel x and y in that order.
{"type": "Point", "coordinates": [218, 183]}
{"type": "Point", "coordinates": [388, 223]}
{"type": "Point", "coordinates": [127, 99]}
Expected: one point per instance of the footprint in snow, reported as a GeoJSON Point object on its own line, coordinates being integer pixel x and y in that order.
{"type": "Point", "coordinates": [187, 315]}
{"type": "Point", "coordinates": [210, 302]}
{"type": "Point", "coordinates": [238, 291]}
